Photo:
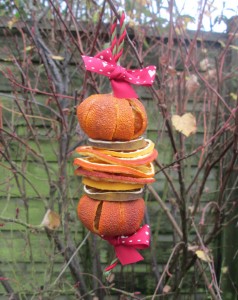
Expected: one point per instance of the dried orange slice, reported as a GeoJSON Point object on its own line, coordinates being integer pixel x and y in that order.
{"type": "Point", "coordinates": [111, 218]}
{"type": "Point", "coordinates": [89, 163]}
{"type": "Point", "coordinates": [95, 175]}
{"type": "Point", "coordinates": [118, 145]}
{"type": "Point", "coordinates": [124, 161]}
{"type": "Point", "coordinates": [111, 186]}
{"type": "Point", "coordinates": [113, 195]}
{"type": "Point", "coordinates": [106, 117]}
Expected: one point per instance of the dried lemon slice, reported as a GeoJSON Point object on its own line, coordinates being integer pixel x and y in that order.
{"type": "Point", "coordinates": [112, 186]}
{"type": "Point", "coordinates": [118, 145]}
{"type": "Point", "coordinates": [113, 195]}
{"type": "Point", "coordinates": [131, 154]}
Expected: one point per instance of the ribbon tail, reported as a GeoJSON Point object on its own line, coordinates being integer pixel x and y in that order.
{"type": "Point", "coordinates": [122, 89]}
{"type": "Point", "coordinates": [127, 255]}
{"type": "Point", "coordinates": [112, 266]}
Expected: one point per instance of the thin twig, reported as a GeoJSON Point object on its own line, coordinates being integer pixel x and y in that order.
{"type": "Point", "coordinates": [166, 210]}
{"type": "Point", "coordinates": [71, 258]}
{"type": "Point", "coordinates": [20, 222]}
{"type": "Point", "coordinates": [166, 268]}
{"type": "Point", "coordinates": [216, 296]}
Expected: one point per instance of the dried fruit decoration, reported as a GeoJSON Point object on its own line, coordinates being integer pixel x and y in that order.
{"type": "Point", "coordinates": [117, 164]}
{"type": "Point", "coordinates": [109, 118]}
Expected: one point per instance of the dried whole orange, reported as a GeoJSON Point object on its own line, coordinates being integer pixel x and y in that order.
{"type": "Point", "coordinates": [106, 117]}
{"type": "Point", "coordinates": [110, 218]}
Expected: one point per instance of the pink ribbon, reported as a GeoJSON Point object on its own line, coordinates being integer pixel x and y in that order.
{"type": "Point", "coordinates": [126, 246]}
{"type": "Point", "coordinates": [120, 78]}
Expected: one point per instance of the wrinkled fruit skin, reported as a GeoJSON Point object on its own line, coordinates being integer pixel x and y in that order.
{"type": "Point", "coordinates": [105, 117]}
{"type": "Point", "coordinates": [111, 218]}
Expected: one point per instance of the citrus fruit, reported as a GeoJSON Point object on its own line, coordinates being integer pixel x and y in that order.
{"type": "Point", "coordinates": [106, 117]}
{"type": "Point", "coordinates": [95, 175]}
{"type": "Point", "coordinates": [111, 186]}
{"type": "Point", "coordinates": [147, 149]}
{"type": "Point", "coordinates": [90, 163]}
{"type": "Point", "coordinates": [124, 161]}
{"type": "Point", "coordinates": [110, 218]}
{"type": "Point", "coordinates": [118, 145]}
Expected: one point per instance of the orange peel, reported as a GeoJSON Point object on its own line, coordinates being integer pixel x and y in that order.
{"type": "Point", "coordinates": [104, 116]}
{"type": "Point", "coordinates": [111, 218]}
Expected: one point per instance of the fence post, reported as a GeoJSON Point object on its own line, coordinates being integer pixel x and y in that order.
{"type": "Point", "coordinates": [229, 276]}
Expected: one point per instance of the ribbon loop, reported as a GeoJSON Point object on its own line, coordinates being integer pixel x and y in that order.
{"type": "Point", "coordinates": [126, 246]}
{"type": "Point", "coordinates": [121, 78]}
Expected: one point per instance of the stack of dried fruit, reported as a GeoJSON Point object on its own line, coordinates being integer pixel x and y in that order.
{"type": "Point", "coordinates": [115, 165]}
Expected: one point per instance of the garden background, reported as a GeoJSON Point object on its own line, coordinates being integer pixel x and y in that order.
{"type": "Point", "coordinates": [192, 206]}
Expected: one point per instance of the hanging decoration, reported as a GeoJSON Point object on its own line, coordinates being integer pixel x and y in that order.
{"type": "Point", "coordinates": [117, 163]}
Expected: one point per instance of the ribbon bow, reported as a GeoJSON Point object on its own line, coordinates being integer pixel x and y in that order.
{"type": "Point", "coordinates": [120, 78]}
{"type": "Point", "coordinates": [126, 246]}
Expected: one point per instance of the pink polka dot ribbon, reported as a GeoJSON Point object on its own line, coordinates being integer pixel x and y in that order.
{"type": "Point", "coordinates": [126, 246]}
{"type": "Point", "coordinates": [120, 78]}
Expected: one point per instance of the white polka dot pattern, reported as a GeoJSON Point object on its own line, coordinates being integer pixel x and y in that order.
{"type": "Point", "coordinates": [126, 246]}
{"type": "Point", "coordinates": [120, 77]}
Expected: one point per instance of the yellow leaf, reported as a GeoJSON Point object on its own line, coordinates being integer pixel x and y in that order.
{"type": "Point", "coordinates": [185, 124]}
{"type": "Point", "coordinates": [12, 22]}
{"type": "Point", "coordinates": [9, 58]}
{"type": "Point", "coordinates": [224, 270]}
{"type": "Point", "coordinates": [178, 31]}
{"type": "Point", "coordinates": [51, 220]}
{"type": "Point", "coordinates": [29, 48]}
{"type": "Point", "coordinates": [234, 47]}
{"type": "Point", "coordinates": [188, 19]}
{"type": "Point", "coordinates": [203, 256]}
{"type": "Point", "coordinates": [233, 96]}
{"type": "Point", "coordinates": [57, 57]}
{"type": "Point", "coordinates": [222, 43]}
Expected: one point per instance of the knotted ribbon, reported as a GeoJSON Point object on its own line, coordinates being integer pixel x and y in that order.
{"type": "Point", "coordinates": [126, 246]}
{"type": "Point", "coordinates": [120, 78]}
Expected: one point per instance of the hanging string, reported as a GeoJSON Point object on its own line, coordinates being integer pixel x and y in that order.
{"type": "Point", "coordinates": [117, 43]}
{"type": "Point", "coordinates": [114, 37]}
